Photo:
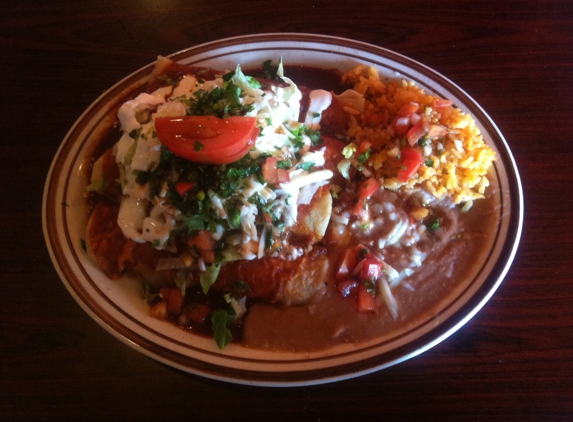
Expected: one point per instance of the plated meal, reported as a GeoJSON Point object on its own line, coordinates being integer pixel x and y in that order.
{"type": "Point", "coordinates": [279, 209]}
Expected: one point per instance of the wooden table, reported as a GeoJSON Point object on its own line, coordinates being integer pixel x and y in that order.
{"type": "Point", "coordinates": [512, 361]}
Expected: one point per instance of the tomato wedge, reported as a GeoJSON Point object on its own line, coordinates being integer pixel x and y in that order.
{"type": "Point", "coordinates": [207, 139]}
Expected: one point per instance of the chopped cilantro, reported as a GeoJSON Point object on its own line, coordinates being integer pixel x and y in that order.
{"type": "Point", "coordinates": [433, 225]}
{"type": "Point", "coordinates": [284, 164]}
{"type": "Point", "coordinates": [198, 146]}
{"type": "Point", "coordinates": [364, 156]}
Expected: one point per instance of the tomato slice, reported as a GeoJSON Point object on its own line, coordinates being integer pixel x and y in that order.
{"type": "Point", "coordinates": [207, 139]}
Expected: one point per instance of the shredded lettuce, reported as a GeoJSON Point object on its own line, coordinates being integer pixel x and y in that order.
{"type": "Point", "coordinates": [209, 276]}
{"type": "Point", "coordinates": [244, 82]}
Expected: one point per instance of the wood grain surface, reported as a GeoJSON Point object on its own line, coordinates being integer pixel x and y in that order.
{"type": "Point", "coordinates": [512, 362]}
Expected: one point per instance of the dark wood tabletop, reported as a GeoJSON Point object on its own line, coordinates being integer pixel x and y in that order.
{"type": "Point", "coordinates": [513, 361]}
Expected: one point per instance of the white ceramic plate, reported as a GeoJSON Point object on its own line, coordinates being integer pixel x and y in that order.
{"type": "Point", "coordinates": [117, 307]}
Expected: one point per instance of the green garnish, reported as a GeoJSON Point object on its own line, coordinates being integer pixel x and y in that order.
{"type": "Point", "coordinates": [220, 322]}
{"type": "Point", "coordinates": [433, 225]}
{"type": "Point", "coordinates": [168, 80]}
{"type": "Point", "coordinates": [209, 276]}
{"type": "Point", "coordinates": [146, 292]}
{"type": "Point", "coordinates": [364, 156]}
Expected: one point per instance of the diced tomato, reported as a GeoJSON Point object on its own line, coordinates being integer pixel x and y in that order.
{"type": "Point", "coordinates": [439, 103]}
{"type": "Point", "coordinates": [367, 188]}
{"type": "Point", "coordinates": [407, 170]}
{"type": "Point", "coordinates": [371, 269]}
{"type": "Point", "coordinates": [347, 265]}
{"type": "Point", "coordinates": [283, 176]}
{"type": "Point", "coordinates": [173, 298]}
{"type": "Point", "coordinates": [363, 147]}
{"type": "Point", "coordinates": [183, 188]}
{"type": "Point", "coordinates": [359, 209]}
{"type": "Point", "coordinates": [361, 251]}
{"type": "Point", "coordinates": [269, 169]}
{"type": "Point", "coordinates": [203, 241]}
{"type": "Point", "coordinates": [207, 139]}
{"type": "Point", "coordinates": [408, 153]}
{"type": "Point", "coordinates": [365, 302]}
{"type": "Point", "coordinates": [208, 256]}
{"type": "Point", "coordinates": [437, 131]}
{"type": "Point", "coordinates": [375, 118]}
{"type": "Point", "coordinates": [272, 174]}
{"type": "Point", "coordinates": [417, 131]}
{"type": "Point", "coordinates": [411, 160]}
{"type": "Point", "coordinates": [198, 313]}
{"type": "Point", "coordinates": [401, 125]}
{"type": "Point", "coordinates": [347, 287]}
{"type": "Point", "coordinates": [408, 109]}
